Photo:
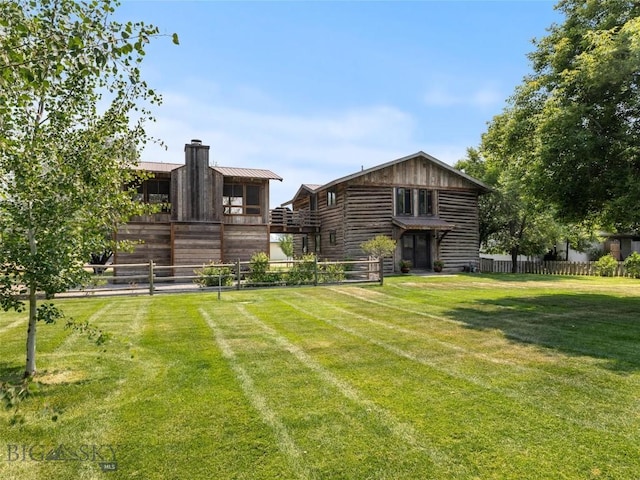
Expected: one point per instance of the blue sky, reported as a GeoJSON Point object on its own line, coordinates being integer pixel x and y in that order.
{"type": "Point", "coordinates": [317, 90]}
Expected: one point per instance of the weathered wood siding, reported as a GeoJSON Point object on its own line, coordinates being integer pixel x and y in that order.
{"type": "Point", "coordinates": [368, 211]}
{"type": "Point", "coordinates": [192, 194]}
{"type": "Point", "coordinates": [332, 218]}
{"type": "Point", "coordinates": [416, 172]}
{"type": "Point", "coordinates": [196, 243]}
{"type": "Point", "coordinates": [155, 245]}
{"type": "Point", "coordinates": [459, 248]}
{"type": "Point", "coordinates": [242, 241]}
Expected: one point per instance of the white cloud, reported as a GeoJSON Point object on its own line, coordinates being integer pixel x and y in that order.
{"type": "Point", "coordinates": [313, 148]}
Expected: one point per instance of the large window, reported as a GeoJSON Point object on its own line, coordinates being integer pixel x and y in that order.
{"type": "Point", "coordinates": [239, 199]}
{"type": "Point", "coordinates": [403, 201]}
{"type": "Point", "coordinates": [155, 191]}
{"type": "Point", "coordinates": [425, 202]}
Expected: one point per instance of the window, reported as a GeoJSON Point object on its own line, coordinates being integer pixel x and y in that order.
{"type": "Point", "coordinates": [305, 244]}
{"type": "Point", "coordinates": [425, 202]}
{"type": "Point", "coordinates": [318, 243]}
{"type": "Point", "coordinates": [154, 191]}
{"type": "Point", "coordinates": [313, 202]}
{"type": "Point", "coordinates": [158, 191]}
{"type": "Point", "coordinates": [241, 199]}
{"type": "Point", "coordinates": [333, 237]}
{"type": "Point", "coordinates": [331, 198]}
{"type": "Point", "coordinates": [403, 201]}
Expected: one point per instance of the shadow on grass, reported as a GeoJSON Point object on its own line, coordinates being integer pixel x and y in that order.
{"type": "Point", "coordinates": [10, 372]}
{"type": "Point", "coordinates": [600, 326]}
{"type": "Point", "coordinates": [529, 277]}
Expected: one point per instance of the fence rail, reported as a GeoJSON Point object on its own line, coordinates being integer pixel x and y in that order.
{"type": "Point", "coordinates": [488, 265]}
{"type": "Point", "coordinates": [150, 278]}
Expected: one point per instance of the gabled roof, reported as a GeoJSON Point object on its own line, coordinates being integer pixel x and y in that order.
{"type": "Point", "coordinates": [314, 188]}
{"type": "Point", "coordinates": [225, 171]}
{"type": "Point", "coordinates": [307, 188]}
{"type": "Point", "coordinates": [420, 154]}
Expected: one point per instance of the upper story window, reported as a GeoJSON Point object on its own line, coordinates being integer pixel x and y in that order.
{"type": "Point", "coordinates": [404, 201]}
{"type": "Point", "coordinates": [425, 202]}
{"type": "Point", "coordinates": [156, 191]}
{"type": "Point", "coordinates": [332, 198]}
{"type": "Point", "coordinates": [241, 199]}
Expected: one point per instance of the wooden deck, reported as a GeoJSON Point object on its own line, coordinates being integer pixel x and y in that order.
{"type": "Point", "coordinates": [293, 221]}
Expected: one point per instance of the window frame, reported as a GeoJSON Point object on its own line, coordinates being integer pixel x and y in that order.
{"type": "Point", "coordinates": [404, 196]}
{"type": "Point", "coordinates": [237, 202]}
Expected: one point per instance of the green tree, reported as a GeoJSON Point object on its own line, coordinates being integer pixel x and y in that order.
{"type": "Point", "coordinates": [73, 107]}
{"type": "Point", "coordinates": [510, 221]}
{"type": "Point", "coordinates": [286, 245]}
{"type": "Point", "coordinates": [572, 125]}
{"type": "Point", "coordinates": [380, 246]}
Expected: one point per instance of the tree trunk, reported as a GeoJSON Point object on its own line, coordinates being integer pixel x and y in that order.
{"type": "Point", "coordinates": [514, 259]}
{"type": "Point", "coordinates": [30, 369]}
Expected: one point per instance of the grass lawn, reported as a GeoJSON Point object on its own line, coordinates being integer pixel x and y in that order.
{"type": "Point", "coordinates": [442, 377]}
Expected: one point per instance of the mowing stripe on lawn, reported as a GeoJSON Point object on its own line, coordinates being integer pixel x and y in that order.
{"type": "Point", "coordinates": [285, 442]}
{"type": "Point", "coordinates": [351, 293]}
{"type": "Point", "coordinates": [403, 431]}
{"type": "Point", "coordinates": [532, 402]}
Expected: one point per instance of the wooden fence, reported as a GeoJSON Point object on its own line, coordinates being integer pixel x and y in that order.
{"type": "Point", "coordinates": [150, 278]}
{"type": "Point", "coordinates": [488, 265]}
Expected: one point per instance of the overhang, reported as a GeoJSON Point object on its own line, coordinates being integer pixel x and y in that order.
{"type": "Point", "coordinates": [422, 223]}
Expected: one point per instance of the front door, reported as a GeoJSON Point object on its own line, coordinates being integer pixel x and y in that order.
{"type": "Point", "coordinates": [416, 247]}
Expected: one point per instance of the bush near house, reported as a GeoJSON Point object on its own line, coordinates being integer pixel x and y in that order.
{"type": "Point", "coordinates": [213, 275]}
{"type": "Point", "coordinates": [632, 265]}
{"type": "Point", "coordinates": [606, 265]}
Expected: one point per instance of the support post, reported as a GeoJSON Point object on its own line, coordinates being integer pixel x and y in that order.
{"type": "Point", "coordinates": [151, 275]}
{"type": "Point", "coordinates": [315, 270]}
{"type": "Point", "coordinates": [238, 274]}
{"type": "Point", "coordinates": [381, 267]}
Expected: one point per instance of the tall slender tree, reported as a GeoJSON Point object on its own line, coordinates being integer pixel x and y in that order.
{"type": "Point", "coordinates": [73, 106]}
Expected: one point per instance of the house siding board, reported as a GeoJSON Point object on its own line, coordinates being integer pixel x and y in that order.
{"type": "Point", "coordinates": [242, 241]}
{"type": "Point", "coordinates": [369, 213]}
{"type": "Point", "coordinates": [196, 243]}
{"type": "Point", "coordinates": [459, 248]}
{"type": "Point", "coordinates": [152, 243]}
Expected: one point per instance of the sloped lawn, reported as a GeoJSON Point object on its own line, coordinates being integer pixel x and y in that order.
{"type": "Point", "coordinates": [444, 377]}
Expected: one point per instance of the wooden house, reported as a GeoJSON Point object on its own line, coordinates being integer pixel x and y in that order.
{"type": "Point", "coordinates": [209, 213]}
{"type": "Point", "coordinates": [427, 206]}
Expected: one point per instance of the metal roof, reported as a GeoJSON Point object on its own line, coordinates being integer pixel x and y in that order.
{"type": "Point", "coordinates": [225, 171]}
{"type": "Point", "coordinates": [157, 166]}
{"type": "Point", "coordinates": [247, 173]}
{"type": "Point", "coordinates": [422, 223]}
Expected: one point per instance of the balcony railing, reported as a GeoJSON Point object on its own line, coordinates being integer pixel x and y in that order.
{"type": "Point", "coordinates": [290, 220]}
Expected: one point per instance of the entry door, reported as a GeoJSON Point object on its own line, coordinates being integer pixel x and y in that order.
{"type": "Point", "coordinates": [417, 248]}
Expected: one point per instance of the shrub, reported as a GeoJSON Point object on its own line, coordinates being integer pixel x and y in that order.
{"type": "Point", "coordinates": [606, 266]}
{"type": "Point", "coordinates": [379, 246]}
{"type": "Point", "coordinates": [303, 271]}
{"type": "Point", "coordinates": [259, 270]}
{"type": "Point", "coordinates": [332, 273]}
{"type": "Point", "coordinates": [632, 265]}
{"type": "Point", "coordinates": [213, 275]}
